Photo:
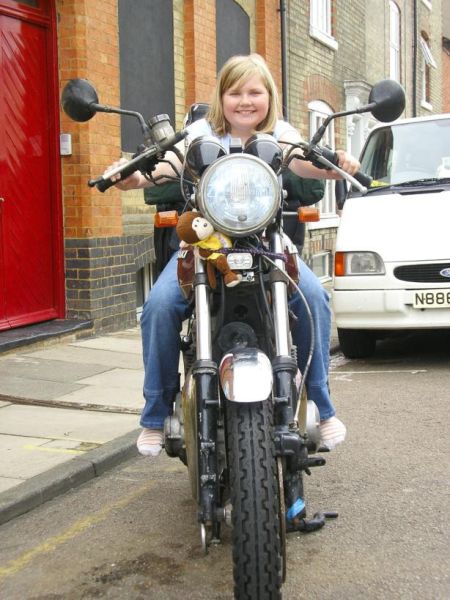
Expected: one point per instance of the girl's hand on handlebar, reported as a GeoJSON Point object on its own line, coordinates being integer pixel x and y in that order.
{"type": "Point", "coordinates": [347, 162]}
{"type": "Point", "coordinates": [130, 183]}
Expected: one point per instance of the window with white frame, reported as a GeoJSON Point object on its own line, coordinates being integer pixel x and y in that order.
{"type": "Point", "coordinates": [145, 277]}
{"type": "Point", "coordinates": [320, 22]}
{"type": "Point", "coordinates": [428, 63]}
{"type": "Point", "coordinates": [394, 41]}
{"type": "Point", "coordinates": [318, 112]}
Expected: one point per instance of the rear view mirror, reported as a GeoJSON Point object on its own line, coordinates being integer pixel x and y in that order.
{"type": "Point", "coordinates": [389, 99]}
{"type": "Point", "coordinates": [79, 100]}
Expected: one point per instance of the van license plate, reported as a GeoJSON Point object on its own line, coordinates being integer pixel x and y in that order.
{"type": "Point", "coordinates": [432, 299]}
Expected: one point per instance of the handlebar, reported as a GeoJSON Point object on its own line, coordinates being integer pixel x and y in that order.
{"type": "Point", "coordinates": [328, 158]}
{"type": "Point", "coordinates": [126, 169]}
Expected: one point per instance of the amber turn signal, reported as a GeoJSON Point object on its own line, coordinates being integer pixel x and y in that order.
{"type": "Point", "coordinates": [166, 218]}
{"type": "Point", "coordinates": [339, 264]}
{"type": "Point", "coordinates": [308, 214]}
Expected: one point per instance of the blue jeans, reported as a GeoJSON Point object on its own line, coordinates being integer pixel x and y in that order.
{"type": "Point", "coordinates": [164, 312]}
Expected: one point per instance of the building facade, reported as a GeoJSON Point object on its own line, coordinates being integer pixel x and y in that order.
{"type": "Point", "coordinates": [337, 50]}
{"type": "Point", "coordinates": [69, 252]}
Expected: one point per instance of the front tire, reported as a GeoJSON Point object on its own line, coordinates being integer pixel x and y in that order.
{"type": "Point", "coordinates": [356, 343]}
{"type": "Point", "coordinates": [255, 501]}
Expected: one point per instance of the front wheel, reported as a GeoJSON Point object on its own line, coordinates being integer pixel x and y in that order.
{"type": "Point", "coordinates": [255, 501]}
{"type": "Point", "coordinates": [356, 343]}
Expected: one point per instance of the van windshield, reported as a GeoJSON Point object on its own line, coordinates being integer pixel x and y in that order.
{"type": "Point", "coordinates": [400, 153]}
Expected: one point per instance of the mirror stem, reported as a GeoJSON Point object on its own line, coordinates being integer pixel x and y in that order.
{"type": "Point", "coordinates": [320, 132]}
{"type": "Point", "coordinates": [120, 111]}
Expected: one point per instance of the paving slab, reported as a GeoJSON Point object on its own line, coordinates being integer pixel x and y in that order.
{"type": "Point", "coordinates": [25, 457]}
{"type": "Point", "coordinates": [62, 423]}
{"type": "Point", "coordinates": [114, 399]}
{"type": "Point", "coordinates": [47, 369]}
{"type": "Point", "coordinates": [133, 333]}
{"type": "Point", "coordinates": [127, 379]}
{"type": "Point", "coordinates": [82, 355]}
{"type": "Point", "coordinates": [22, 387]}
{"type": "Point", "coordinates": [113, 344]}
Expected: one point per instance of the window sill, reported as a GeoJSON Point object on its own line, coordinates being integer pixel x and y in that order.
{"type": "Point", "coordinates": [426, 105]}
{"type": "Point", "coordinates": [324, 223]}
{"type": "Point", "coordinates": [323, 38]}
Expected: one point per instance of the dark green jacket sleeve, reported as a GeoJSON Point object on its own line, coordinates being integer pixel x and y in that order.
{"type": "Point", "coordinates": [302, 192]}
{"type": "Point", "coordinates": [166, 196]}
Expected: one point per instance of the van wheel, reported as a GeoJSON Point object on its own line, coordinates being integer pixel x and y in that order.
{"type": "Point", "coordinates": [356, 343]}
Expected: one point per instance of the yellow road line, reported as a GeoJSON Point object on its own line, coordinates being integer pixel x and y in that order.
{"type": "Point", "coordinates": [43, 449]}
{"type": "Point", "coordinates": [77, 528]}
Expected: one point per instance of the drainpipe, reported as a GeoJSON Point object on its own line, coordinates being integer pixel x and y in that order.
{"type": "Point", "coordinates": [414, 61]}
{"type": "Point", "coordinates": [284, 75]}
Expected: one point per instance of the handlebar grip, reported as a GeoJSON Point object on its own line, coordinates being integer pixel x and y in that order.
{"type": "Point", "coordinates": [363, 179]}
{"type": "Point", "coordinates": [105, 184]}
{"type": "Point", "coordinates": [329, 155]}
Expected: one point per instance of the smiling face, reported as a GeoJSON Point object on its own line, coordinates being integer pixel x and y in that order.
{"type": "Point", "coordinates": [245, 106]}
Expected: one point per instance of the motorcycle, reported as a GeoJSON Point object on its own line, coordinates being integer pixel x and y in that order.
{"type": "Point", "coordinates": [241, 422]}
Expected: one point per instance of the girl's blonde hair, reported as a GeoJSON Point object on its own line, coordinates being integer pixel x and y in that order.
{"type": "Point", "coordinates": [234, 73]}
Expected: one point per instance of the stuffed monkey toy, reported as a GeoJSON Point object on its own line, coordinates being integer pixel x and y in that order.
{"type": "Point", "coordinates": [195, 230]}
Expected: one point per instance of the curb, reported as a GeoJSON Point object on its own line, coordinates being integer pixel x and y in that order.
{"type": "Point", "coordinates": [58, 480]}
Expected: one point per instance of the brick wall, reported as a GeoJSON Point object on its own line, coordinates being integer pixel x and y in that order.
{"type": "Point", "coordinates": [268, 34]}
{"type": "Point", "coordinates": [199, 49]}
{"type": "Point", "coordinates": [108, 237]}
{"type": "Point", "coordinates": [446, 76]}
{"type": "Point", "coordinates": [97, 224]}
{"type": "Point", "coordinates": [317, 72]}
{"type": "Point", "coordinates": [377, 48]}
{"type": "Point", "coordinates": [88, 47]}
{"type": "Point", "coordinates": [100, 261]}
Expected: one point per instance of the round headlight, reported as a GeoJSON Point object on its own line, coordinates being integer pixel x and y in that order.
{"type": "Point", "coordinates": [239, 194]}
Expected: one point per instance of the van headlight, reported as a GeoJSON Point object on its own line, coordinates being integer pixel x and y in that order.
{"type": "Point", "coordinates": [239, 194]}
{"type": "Point", "coordinates": [358, 263]}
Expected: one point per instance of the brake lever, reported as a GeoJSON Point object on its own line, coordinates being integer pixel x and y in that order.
{"type": "Point", "coordinates": [307, 148]}
{"type": "Point", "coordinates": [132, 165]}
{"type": "Point", "coordinates": [327, 163]}
{"type": "Point", "coordinates": [148, 153]}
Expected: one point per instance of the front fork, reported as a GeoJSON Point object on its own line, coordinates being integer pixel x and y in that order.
{"type": "Point", "coordinates": [290, 445]}
{"type": "Point", "coordinates": [207, 406]}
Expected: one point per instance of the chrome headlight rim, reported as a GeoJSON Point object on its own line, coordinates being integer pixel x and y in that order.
{"type": "Point", "coordinates": [203, 205]}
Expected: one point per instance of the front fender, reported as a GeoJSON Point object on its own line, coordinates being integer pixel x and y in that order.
{"type": "Point", "coordinates": [246, 375]}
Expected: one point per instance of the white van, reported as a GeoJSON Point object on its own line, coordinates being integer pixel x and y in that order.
{"type": "Point", "coordinates": [392, 262]}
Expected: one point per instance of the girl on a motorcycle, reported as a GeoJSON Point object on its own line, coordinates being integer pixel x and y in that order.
{"type": "Point", "coordinates": [245, 101]}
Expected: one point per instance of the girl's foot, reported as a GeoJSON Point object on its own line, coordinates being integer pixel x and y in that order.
{"type": "Point", "coordinates": [149, 442]}
{"type": "Point", "coordinates": [332, 433]}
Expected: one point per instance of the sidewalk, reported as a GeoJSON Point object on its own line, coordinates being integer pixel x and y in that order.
{"type": "Point", "coordinates": [69, 410]}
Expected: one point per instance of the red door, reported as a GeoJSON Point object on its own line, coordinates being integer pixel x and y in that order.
{"type": "Point", "coordinates": [31, 274]}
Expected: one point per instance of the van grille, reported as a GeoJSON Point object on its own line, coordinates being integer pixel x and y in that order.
{"type": "Point", "coordinates": [422, 273]}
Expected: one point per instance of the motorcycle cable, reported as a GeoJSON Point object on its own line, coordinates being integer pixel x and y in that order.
{"type": "Point", "coordinates": [264, 295]}
{"type": "Point", "coordinates": [183, 181]}
{"type": "Point", "coordinates": [313, 335]}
